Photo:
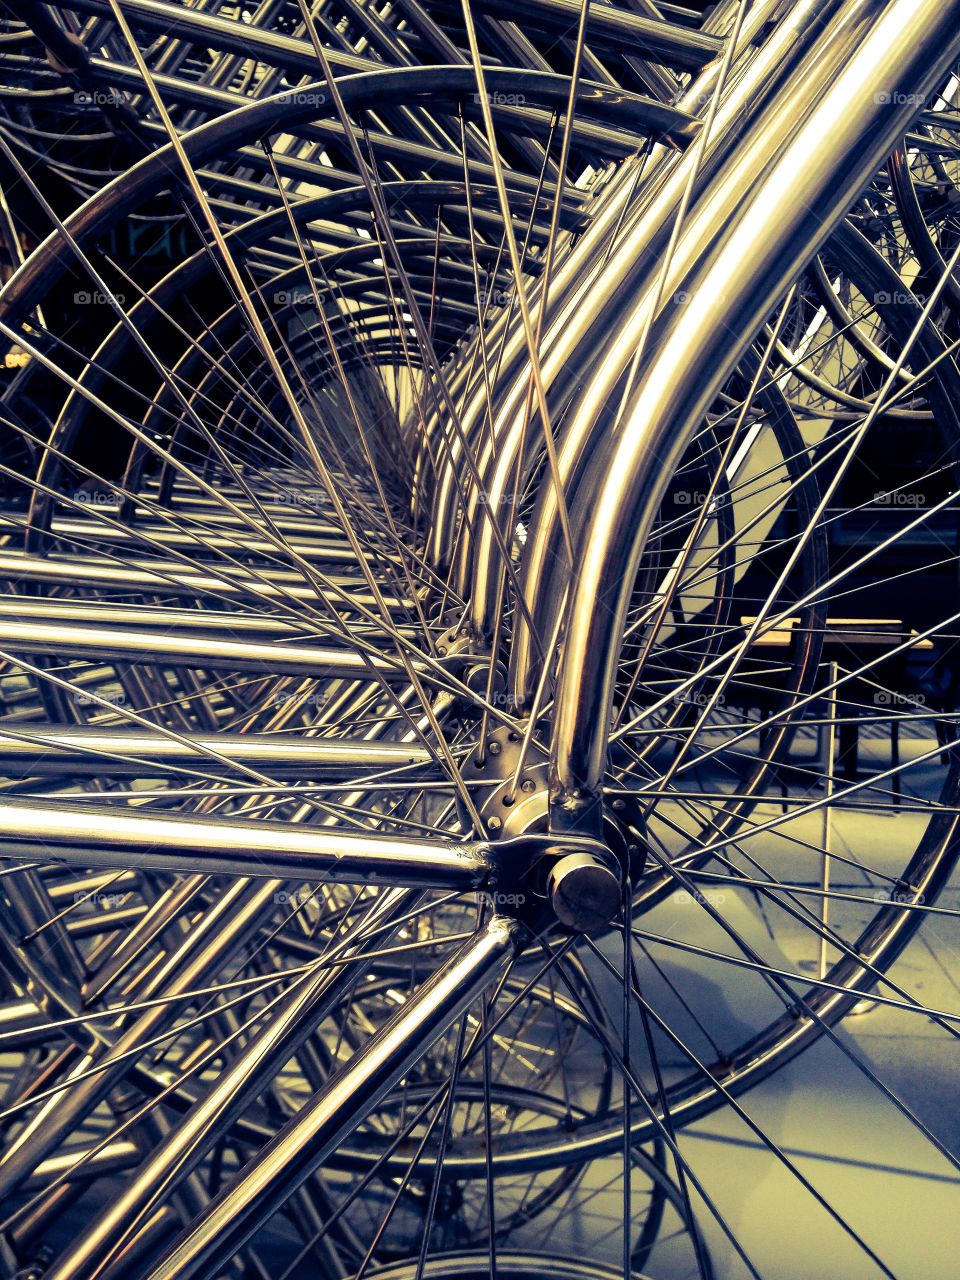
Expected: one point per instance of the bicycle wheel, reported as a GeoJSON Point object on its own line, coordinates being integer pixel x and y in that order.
{"type": "Point", "coordinates": [409, 684]}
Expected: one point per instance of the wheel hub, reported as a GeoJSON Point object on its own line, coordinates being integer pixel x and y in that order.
{"type": "Point", "coordinates": [577, 880]}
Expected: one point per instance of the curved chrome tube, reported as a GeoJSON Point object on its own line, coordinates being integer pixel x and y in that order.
{"type": "Point", "coordinates": [745, 242]}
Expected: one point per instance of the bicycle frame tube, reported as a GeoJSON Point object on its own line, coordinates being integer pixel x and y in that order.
{"type": "Point", "coordinates": [732, 260]}
{"type": "Point", "coordinates": [275, 1041]}
{"type": "Point", "coordinates": [597, 369]}
{"type": "Point", "coordinates": [100, 836]}
{"type": "Point", "coordinates": [301, 1146]}
{"type": "Point", "coordinates": [569, 316]}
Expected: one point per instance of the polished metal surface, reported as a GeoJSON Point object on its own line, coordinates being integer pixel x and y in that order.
{"type": "Point", "coordinates": [471, 474]}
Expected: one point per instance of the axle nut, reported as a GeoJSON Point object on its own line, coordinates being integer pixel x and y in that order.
{"type": "Point", "coordinates": [584, 892]}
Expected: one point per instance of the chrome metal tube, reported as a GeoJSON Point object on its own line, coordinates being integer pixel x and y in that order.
{"type": "Point", "coordinates": [331, 1115]}
{"type": "Point", "coordinates": [286, 1027]}
{"type": "Point", "coordinates": [99, 752]}
{"type": "Point", "coordinates": [215, 937]}
{"type": "Point", "coordinates": [172, 578]}
{"type": "Point", "coordinates": [745, 244]}
{"type": "Point", "coordinates": [194, 649]}
{"type": "Point", "coordinates": [98, 836]}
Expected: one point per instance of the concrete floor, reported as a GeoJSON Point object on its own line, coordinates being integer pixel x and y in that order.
{"type": "Point", "coordinates": [872, 1165]}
